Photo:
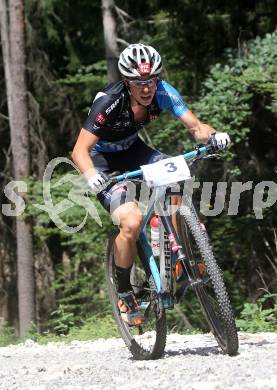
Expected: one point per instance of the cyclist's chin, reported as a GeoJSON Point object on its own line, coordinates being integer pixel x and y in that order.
{"type": "Point", "coordinates": [145, 100]}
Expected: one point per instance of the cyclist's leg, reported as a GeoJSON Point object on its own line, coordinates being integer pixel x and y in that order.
{"type": "Point", "coordinates": [119, 201]}
{"type": "Point", "coordinates": [129, 218]}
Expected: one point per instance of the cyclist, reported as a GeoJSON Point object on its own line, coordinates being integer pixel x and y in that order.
{"type": "Point", "coordinates": [109, 141]}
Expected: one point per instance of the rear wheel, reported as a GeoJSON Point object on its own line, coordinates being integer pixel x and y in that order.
{"type": "Point", "coordinates": [146, 341]}
{"type": "Point", "coordinates": [211, 292]}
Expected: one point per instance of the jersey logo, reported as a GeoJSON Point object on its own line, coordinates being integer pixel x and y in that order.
{"type": "Point", "coordinates": [109, 109]}
{"type": "Point", "coordinates": [144, 68]}
{"type": "Point", "coordinates": [100, 118]}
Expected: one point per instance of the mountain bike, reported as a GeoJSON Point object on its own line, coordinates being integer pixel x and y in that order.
{"type": "Point", "coordinates": [186, 263]}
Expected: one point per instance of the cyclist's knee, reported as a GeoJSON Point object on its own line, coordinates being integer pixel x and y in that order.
{"type": "Point", "coordinates": [130, 229]}
{"type": "Point", "coordinates": [176, 200]}
{"type": "Point", "coordinates": [129, 219]}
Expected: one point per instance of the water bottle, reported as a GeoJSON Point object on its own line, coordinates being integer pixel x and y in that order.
{"type": "Point", "coordinates": [155, 235]}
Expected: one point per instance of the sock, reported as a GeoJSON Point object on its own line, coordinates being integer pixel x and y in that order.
{"type": "Point", "coordinates": [123, 279]}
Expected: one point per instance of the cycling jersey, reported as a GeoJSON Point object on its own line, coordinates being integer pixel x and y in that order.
{"type": "Point", "coordinates": [112, 120]}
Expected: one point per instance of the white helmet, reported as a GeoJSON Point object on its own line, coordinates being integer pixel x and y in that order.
{"type": "Point", "coordinates": [138, 60]}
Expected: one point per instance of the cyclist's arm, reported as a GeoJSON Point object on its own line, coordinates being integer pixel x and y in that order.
{"type": "Point", "coordinates": [81, 152]}
{"type": "Point", "coordinates": [168, 97]}
{"type": "Point", "coordinates": [198, 129]}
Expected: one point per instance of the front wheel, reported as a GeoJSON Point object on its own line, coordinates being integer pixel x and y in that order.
{"type": "Point", "coordinates": [211, 290]}
{"type": "Point", "coordinates": [146, 341]}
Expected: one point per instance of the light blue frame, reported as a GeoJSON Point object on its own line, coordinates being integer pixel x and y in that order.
{"type": "Point", "coordinates": [143, 238]}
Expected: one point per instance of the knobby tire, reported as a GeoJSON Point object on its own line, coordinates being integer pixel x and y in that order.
{"type": "Point", "coordinates": [221, 321]}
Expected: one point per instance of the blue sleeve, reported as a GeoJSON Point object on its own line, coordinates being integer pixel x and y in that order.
{"type": "Point", "coordinates": [169, 98]}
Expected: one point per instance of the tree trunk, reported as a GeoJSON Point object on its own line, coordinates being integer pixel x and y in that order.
{"type": "Point", "coordinates": [12, 36]}
{"type": "Point", "coordinates": [110, 38]}
{"type": "Point", "coordinates": [44, 279]}
{"type": "Point", "coordinates": [8, 286]}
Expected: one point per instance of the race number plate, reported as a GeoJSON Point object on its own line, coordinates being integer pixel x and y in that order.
{"type": "Point", "coordinates": [164, 172]}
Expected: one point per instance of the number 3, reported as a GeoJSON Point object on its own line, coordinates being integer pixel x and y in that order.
{"type": "Point", "coordinates": [171, 167]}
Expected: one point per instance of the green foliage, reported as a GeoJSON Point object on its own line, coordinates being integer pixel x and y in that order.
{"type": "Point", "coordinates": [187, 317]}
{"type": "Point", "coordinates": [193, 35]}
{"type": "Point", "coordinates": [85, 82]}
{"type": "Point", "coordinates": [95, 327]}
{"type": "Point", "coordinates": [66, 33]}
{"type": "Point", "coordinates": [234, 92]}
{"type": "Point", "coordinates": [92, 328]}
{"type": "Point", "coordinates": [62, 320]}
{"type": "Point", "coordinates": [7, 335]}
{"type": "Point", "coordinates": [255, 318]}
{"type": "Point", "coordinates": [238, 97]}
{"type": "Point", "coordinates": [79, 283]}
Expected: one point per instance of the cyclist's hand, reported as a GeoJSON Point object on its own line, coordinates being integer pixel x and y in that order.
{"type": "Point", "coordinates": [98, 182]}
{"type": "Point", "coordinates": [219, 141]}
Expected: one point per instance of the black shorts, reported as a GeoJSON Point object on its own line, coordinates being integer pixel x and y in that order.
{"type": "Point", "coordinates": [128, 160]}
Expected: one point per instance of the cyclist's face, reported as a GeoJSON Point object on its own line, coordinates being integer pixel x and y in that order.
{"type": "Point", "coordinates": [143, 89]}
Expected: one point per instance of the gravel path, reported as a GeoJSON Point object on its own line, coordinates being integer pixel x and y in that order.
{"type": "Point", "coordinates": [190, 362]}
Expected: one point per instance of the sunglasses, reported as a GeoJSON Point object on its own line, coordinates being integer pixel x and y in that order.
{"type": "Point", "coordinates": [143, 83]}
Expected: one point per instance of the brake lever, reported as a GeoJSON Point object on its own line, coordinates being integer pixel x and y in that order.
{"type": "Point", "coordinates": [203, 157]}
{"type": "Point", "coordinates": [200, 156]}
{"type": "Point", "coordinates": [214, 155]}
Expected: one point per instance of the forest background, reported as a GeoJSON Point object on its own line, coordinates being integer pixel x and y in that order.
{"type": "Point", "coordinates": [221, 56]}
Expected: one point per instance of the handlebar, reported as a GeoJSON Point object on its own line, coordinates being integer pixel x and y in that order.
{"type": "Point", "coordinates": [199, 151]}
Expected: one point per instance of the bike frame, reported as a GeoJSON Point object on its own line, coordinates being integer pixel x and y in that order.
{"type": "Point", "coordinates": [159, 201]}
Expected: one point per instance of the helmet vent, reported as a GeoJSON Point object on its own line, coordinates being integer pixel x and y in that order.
{"type": "Point", "coordinates": [138, 54]}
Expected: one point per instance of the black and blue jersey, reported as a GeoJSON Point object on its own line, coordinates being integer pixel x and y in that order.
{"type": "Point", "coordinates": [112, 120]}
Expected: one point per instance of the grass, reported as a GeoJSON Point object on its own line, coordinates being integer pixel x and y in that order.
{"type": "Point", "coordinates": [7, 335]}
{"type": "Point", "coordinates": [92, 329]}
{"type": "Point", "coordinates": [255, 318]}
